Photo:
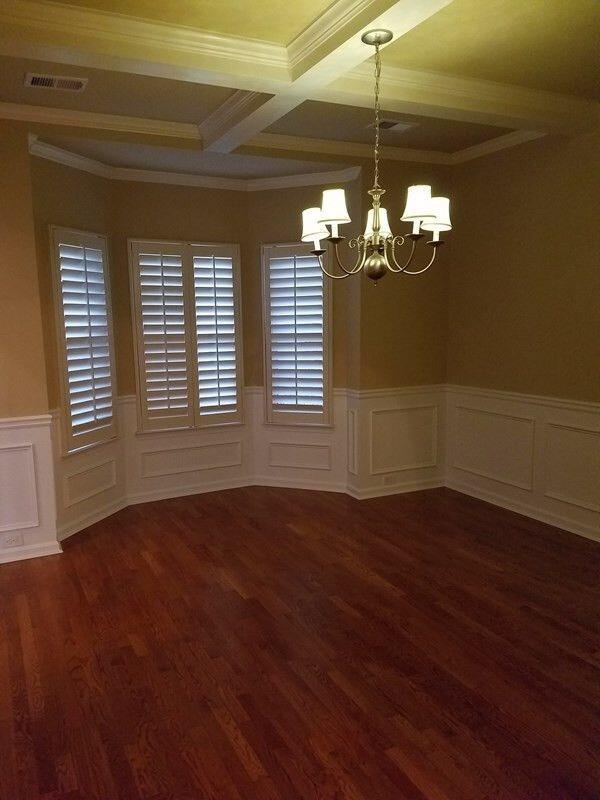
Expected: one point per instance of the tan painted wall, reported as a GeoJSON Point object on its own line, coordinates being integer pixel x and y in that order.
{"type": "Point", "coordinates": [403, 317]}
{"type": "Point", "coordinates": [72, 199]}
{"type": "Point", "coordinates": [22, 370]}
{"type": "Point", "coordinates": [524, 292]}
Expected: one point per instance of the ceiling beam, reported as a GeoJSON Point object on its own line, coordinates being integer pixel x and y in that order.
{"type": "Point", "coordinates": [323, 63]}
{"type": "Point", "coordinates": [338, 49]}
{"type": "Point", "coordinates": [431, 94]}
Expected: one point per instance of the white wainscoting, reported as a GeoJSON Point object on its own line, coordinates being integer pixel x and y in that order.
{"type": "Point", "coordinates": [396, 438]}
{"type": "Point", "coordinates": [304, 457]}
{"type": "Point", "coordinates": [538, 456]}
{"type": "Point", "coordinates": [27, 504]}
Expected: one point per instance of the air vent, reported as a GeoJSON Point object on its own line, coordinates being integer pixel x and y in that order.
{"type": "Point", "coordinates": [61, 83]}
{"type": "Point", "coordinates": [392, 125]}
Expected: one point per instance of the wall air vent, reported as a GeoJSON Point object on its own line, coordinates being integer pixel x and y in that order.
{"type": "Point", "coordinates": [392, 125]}
{"type": "Point", "coordinates": [62, 83]}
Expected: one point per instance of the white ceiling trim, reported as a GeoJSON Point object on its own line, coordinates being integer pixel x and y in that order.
{"type": "Point", "coordinates": [494, 145]}
{"type": "Point", "coordinates": [432, 94]}
{"type": "Point", "coordinates": [67, 158]}
{"type": "Point", "coordinates": [325, 60]}
{"type": "Point", "coordinates": [110, 28]}
{"type": "Point", "coordinates": [321, 29]}
{"type": "Point", "coordinates": [295, 144]}
{"type": "Point", "coordinates": [239, 105]}
{"type": "Point", "coordinates": [107, 122]}
{"type": "Point", "coordinates": [340, 49]}
{"type": "Point", "coordinates": [303, 144]}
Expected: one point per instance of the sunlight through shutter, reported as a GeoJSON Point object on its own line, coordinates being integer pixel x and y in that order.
{"type": "Point", "coordinates": [296, 312]}
{"type": "Point", "coordinates": [162, 344]}
{"type": "Point", "coordinates": [216, 343]}
{"type": "Point", "coordinates": [87, 348]}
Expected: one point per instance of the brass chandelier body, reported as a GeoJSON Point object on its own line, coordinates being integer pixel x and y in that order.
{"type": "Point", "coordinates": [376, 249]}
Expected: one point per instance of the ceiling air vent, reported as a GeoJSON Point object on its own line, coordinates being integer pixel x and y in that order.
{"type": "Point", "coordinates": [62, 83]}
{"type": "Point", "coordinates": [392, 125]}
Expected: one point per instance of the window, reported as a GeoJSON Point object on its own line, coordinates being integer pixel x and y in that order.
{"type": "Point", "coordinates": [84, 336]}
{"type": "Point", "coordinates": [187, 333]}
{"type": "Point", "coordinates": [297, 349]}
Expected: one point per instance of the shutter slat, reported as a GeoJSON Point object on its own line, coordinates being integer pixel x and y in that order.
{"type": "Point", "coordinates": [85, 321]}
{"type": "Point", "coordinates": [216, 343]}
{"type": "Point", "coordinates": [161, 301]}
{"type": "Point", "coordinates": [296, 306]}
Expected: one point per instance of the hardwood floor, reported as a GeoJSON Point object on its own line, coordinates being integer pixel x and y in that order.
{"type": "Point", "coordinates": [279, 644]}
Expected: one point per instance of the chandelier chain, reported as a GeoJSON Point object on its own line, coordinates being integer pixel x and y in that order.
{"type": "Point", "coordinates": [377, 112]}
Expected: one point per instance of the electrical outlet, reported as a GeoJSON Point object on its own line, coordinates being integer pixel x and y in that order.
{"type": "Point", "coordinates": [12, 540]}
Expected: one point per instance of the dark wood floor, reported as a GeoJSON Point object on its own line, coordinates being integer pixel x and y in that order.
{"type": "Point", "coordinates": [281, 644]}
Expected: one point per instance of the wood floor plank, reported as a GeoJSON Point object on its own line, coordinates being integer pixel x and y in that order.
{"type": "Point", "coordinates": [277, 644]}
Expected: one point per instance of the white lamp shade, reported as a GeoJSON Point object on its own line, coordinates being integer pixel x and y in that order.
{"type": "Point", "coordinates": [312, 229]}
{"type": "Point", "coordinates": [418, 203]}
{"type": "Point", "coordinates": [440, 206]}
{"type": "Point", "coordinates": [384, 227]}
{"type": "Point", "coordinates": [333, 208]}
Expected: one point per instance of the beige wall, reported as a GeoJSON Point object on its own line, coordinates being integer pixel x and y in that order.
{"type": "Point", "coordinates": [512, 303]}
{"type": "Point", "coordinates": [22, 370]}
{"type": "Point", "coordinates": [524, 292]}
{"type": "Point", "coordinates": [403, 317]}
{"type": "Point", "coordinates": [72, 199]}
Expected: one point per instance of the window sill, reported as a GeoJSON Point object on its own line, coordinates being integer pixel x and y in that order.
{"type": "Point", "coordinates": [191, 428]}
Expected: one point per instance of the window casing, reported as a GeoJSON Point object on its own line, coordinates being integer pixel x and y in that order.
{"type": "Point", "coordinates": [297, 341]}
{"type": "Point", "coordinates": [187, 332]}
{"type": "Point", "coordinates": [84, 336]}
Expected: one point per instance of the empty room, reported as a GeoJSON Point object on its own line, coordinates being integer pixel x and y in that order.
{"type": "Point", "coordinates": [299, 400]}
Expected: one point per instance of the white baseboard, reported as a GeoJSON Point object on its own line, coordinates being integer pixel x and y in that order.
{"type": "Point", "coordinates": [300, 483]}
{"type": "Point", "coordinates": [86, 520]}
{"type": "Point", "coordinates": [527, 510]}
{"type": "Point", "coordinates": [184, 491]}
{"type": "Point", "coordinates": [30, 551]}
{"type": "Point", "coordinates": [397, 488]}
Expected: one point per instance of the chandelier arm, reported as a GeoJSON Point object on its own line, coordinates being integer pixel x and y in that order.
{"type": "Point", "coordinates": [360, 260]}
{"type": "Point", "coordinates": [329, 275]}
{"type": "Point", "coordinates": [423, 269]}
{"type": "Point", "coordinates": [393, 254]}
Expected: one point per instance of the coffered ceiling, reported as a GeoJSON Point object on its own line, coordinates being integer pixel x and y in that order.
{"type": "Point", "coordinates": [281, 79]}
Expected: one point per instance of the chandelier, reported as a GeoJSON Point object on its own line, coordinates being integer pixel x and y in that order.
{"type": "Point", "coordinates": [377, 248]}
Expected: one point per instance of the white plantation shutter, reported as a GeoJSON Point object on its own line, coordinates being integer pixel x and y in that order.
{"type": "Point", "coordinates": [85, 336]}
{"type": "Point", "coordinates": [188, 359]}
{"type": "Point", "coordinates": [216, 304]}
{"type": "Point", "coordinates": [162, 335]}
{"type": "Point", "coordinates": [297, 330]}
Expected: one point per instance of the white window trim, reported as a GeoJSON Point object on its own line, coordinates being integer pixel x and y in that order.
{"type": "Point", "coordinates": [320, 419]}
{"type": "Point", "coordinates": [70, 442]}
{"type": "Point", "coordinates": [193, 419]}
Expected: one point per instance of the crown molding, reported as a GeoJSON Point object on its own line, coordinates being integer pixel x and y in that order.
{"type": "Point", "coordinates": [464, 99]}
{"type": "Point", "coordinates": [494, 145]}
{"type": "Point", "coordinates": [239, 105]}
{"type": "Point", "coordinates": [50, 152]}
{"type": "Point", "coordinates": [109, 28]}
{"type": "Point", "coordinates": [294, 144]}
{"type": "Point", "coordinates": [107, 122]}
{"type": "Point", "coordinates": [307, 179]}
{"type": "Point", "coordinates": [321, 29]}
